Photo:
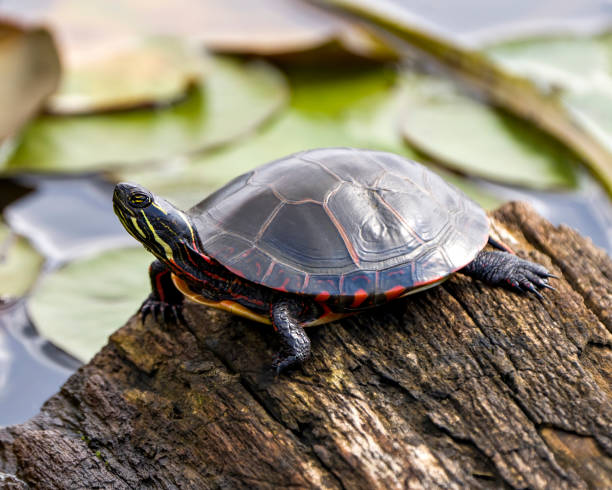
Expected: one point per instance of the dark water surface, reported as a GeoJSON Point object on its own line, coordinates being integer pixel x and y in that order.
{"type": "Point", "coordinates": [66, 218]}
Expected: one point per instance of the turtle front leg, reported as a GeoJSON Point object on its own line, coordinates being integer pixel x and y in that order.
{"type": "Point", "coordinates": [295, 344]}
{"type": "Point", "coordinates": [503, 268]}
{"type": "Point", "coordinates": [165, 301]}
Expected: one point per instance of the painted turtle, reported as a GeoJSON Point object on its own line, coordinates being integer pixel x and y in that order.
{"type": "Point", "coordinates": [313, 237]}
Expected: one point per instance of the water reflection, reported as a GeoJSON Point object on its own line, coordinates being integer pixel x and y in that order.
{"type": "Point", "coordinates": [67, 218]}
{"type": "Point", "coordinates": [31, 368]}
{"type": "Point", "coordinates": [587, 210]}
{"type": "Point", "coordinates": [5, 364]}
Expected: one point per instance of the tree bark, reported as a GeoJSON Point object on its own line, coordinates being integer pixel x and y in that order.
{"type": "Point", "coordinates": [463, 385]}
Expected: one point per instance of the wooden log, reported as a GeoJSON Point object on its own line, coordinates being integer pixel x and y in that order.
{"type": "Point", "coordinates": [460, 386]}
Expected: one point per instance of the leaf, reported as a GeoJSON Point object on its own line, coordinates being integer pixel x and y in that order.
{"type": "Point", "coordinates": [78, 306]}
{"type": "Point", "coordinates": [30, 71]}
{"type": "Point", "coordinates": [576, 64]}
{"type": "Point", "coordinates": [578, 70]}
{"type": "Point", "coordinates": [152, 73]}
{"type": "Point", "coordinates": [469, 136]}
{"type": "Point", "coordinates": [517, 95]}
{"type": "Point", "coordinates": [238, 96]}
{"type": "Point", "coordinates": [357, 107]}
{"type": "Point", "coordinates": [20, 264]}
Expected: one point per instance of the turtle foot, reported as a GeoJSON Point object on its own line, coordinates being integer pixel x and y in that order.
{"type": "Point", "coordinates": [283, 362]}
{"type": "Point", "coordinates": [501, 268]}
{"type": "Point", "coordinates": [162, 311]}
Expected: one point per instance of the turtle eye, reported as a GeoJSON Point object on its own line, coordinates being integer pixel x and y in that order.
{"type": "Point", "coordinates": [139, 200]}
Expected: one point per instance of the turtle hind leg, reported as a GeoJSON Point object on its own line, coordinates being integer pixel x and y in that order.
{"type": "Point", "coordinates": [502, 268]}
{"type": "Point", "coordinates": [165, 301]}
{"type": "Point", "coordinates": [295, 344]}
{"type": "Point", "coordinates": [500, 245]}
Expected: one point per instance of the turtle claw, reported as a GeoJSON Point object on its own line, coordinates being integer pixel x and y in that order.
{"type": "Point", "coordinates": [526, 276]}
{"type": "Point", "coordinates": [162, 312]}
{"type": "Point", "coordinates": [530, 287]}
{"type": "Point", "coordinates": [504, 268]}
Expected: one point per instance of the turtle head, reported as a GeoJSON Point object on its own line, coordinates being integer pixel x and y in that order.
{"type": "Point", "coordinates": [164, 230]}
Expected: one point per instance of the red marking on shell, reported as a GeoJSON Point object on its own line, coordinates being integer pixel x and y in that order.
{"type": "Point", "coordinates": [258, 268]}
{"type": "Point", "coordinates": [269, 271]}
{"type": "Point", "coordinates": [234, 271]}
{"type": "Point", "coordinates": [322, 297]}
{"type": "Point", "coordinates": [361, 277]}
{"type": "Point", "coordinates": [306, 281]}
{"type": "Point", "coordinates": [360, 297]}
{"type": "Point", "coordinates": [425, 283]}
{"type": "Point", "coordinates": [283, 286]}
{"type": "Point", "coordinates": [394, 292]}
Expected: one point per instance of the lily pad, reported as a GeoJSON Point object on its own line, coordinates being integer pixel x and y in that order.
{"type": "Point", "coordinates": [20, 264]}
{"type": "Point", "coordinates": [577, 64]}
{"type": "Point", "coordinates": [515, 95]}
{"type": "Point", "coordinates": [578, 70]}
{"type": "Point", "coordinates": [350, 107]}
{"type": "Point", "coordinates": [469, 136]}
{"type": "Point", "coordinates": [78, 306]}
{"type": "Point", "coordinates": [30, 72]}
{"type": "Point", "coordinates": [359, 107]}
{"type": "Point", "coordinates": [238, 96]}
{"type": "Point", "coordinates": [153, 73]}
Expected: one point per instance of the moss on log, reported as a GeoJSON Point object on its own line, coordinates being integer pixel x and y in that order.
{"type": "Point", "coordinates": [462, 385]}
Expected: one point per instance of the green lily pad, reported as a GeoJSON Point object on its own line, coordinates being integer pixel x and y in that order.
{"type": "Point", "coordinates": [78, 306]}
{"type": "Point", "coordinates": [238, 96]}
{"type": "Point", "coordinates": [471, 137]}
{"type": "Point", "coordinates": [30, 71]}
{"type": "Point", "coordinates": [358, 107]}
{"type": "Point", "coordinates": [577, 69]}
{"type": "Point", "coordinates": [337, 107]}
{"type": "Point", "coordinates": [515, 95]}
{"type": "Point", "coordinates": [153, 73]}
{"type": "Point", "coordinates": [20, 264]}
{"type": "Point", "coordinates": [557, 62]}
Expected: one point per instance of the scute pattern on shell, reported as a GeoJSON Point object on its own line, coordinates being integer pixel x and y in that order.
{"type": "Point", "coordinates": [343, 221]}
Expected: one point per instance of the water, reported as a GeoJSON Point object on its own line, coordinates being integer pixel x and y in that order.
{"type": "Point", "coordinates": [31, 368]}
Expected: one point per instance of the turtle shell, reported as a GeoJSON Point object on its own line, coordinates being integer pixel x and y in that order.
{"type": "Point", "coordinates": [341, 222]}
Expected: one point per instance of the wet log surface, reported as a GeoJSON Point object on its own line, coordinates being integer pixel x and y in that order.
{"type": "Point", "coordinates": [462, 385]}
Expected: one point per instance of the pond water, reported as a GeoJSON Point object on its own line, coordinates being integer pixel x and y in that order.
{"type": "Point", "coordinates": [72, 217]}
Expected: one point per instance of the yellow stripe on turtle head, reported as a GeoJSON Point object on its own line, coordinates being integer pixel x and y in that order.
{"type": "Point", "coordinates": [137, 227]}
{"type": "Point", "coordinates": [159, 207]}
{"type": "Point", "coordinates": [158, 239]}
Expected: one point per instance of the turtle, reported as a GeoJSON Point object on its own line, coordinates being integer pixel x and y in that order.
{"type": "Point", "coordinates": [313, 237]}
